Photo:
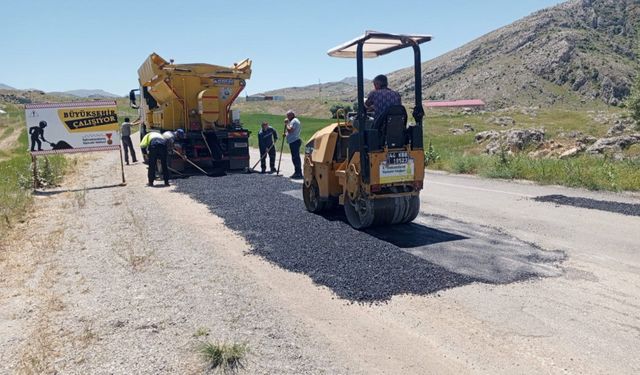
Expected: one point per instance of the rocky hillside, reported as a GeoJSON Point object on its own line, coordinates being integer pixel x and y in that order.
{"type": "Point", "coordinates": [344, 90]}
{"type": "Point", "coordinates": [578, 51]}
{"type": "Point", "coordinates": [87, 93]}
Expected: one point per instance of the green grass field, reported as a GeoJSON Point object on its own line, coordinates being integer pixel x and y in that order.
{"type": "Point", "coordinates": [460, 153]}
{"type": "Point", "coordinates": [252, 122]}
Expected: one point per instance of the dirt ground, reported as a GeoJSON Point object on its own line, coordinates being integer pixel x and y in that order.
{"type": "Point", "coordinates": [108, 279]}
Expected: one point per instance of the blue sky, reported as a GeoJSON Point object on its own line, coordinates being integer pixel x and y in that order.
{"type": "Point", "coordinates": [68, 44]}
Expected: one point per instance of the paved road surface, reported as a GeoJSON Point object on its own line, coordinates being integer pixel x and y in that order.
{"type": "Point", "coordinates": [487, 280]}
{"type": "Point", "coordinates": [583, 316]}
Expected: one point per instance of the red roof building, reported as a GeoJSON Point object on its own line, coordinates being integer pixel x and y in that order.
{"type": "Point", "coordinates": [454, 103]}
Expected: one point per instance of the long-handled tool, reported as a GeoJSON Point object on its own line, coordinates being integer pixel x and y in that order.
{"type": "Point", "coordinates": [176, 172]}
{"type": "Point", "coordinates": [190, 162]}
{"type": "Point", "coordinates": [281, 148]}
{"type": "Point", "coordinates": [261, 158]}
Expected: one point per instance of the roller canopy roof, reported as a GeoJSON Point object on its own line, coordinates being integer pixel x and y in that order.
{"type": "Point", "coordinates": [377, 44]}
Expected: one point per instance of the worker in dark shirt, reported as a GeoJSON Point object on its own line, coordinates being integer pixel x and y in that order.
{"type": "Point", "coordinates": [156, 145]}
{"type": "Point", "coordinates": [37, 133]}
{"type": "Point", "coordinates": [127, 144]}
{"type": "Point", "coordinates": [266, 138]}
{"type": "Point", "coordinates": [382, 97]}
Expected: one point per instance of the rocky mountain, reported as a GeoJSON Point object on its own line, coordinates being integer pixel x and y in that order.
{"type": "Point", "coordinates": [81, 93]}
{"type": "Point", "coordinates": [578, 51]}
{"type": "Point", "coordinates": [344, 90]}
{"type": "Point", "coordinates": [91, 94]}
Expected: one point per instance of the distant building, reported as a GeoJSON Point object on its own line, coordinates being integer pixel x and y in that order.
{"type": "Point", "coordinates": [262, 98]}
{"type": "Point", "coordinates": [466, 103]}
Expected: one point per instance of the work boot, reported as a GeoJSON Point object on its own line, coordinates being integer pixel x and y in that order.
{"type": "Point", "coordinates": [149, 183]}
{"type": "Point", "coordinates": [296, 176]}
{"type": "Point", "coordinates": [263, 171]}
{"type": "Point", "coordinates": [272, 171]}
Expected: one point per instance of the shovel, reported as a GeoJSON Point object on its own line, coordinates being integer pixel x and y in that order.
{"type": "Point", "coordinates": [281, 148]}
{"type": "Point", "coordinates": [253, 169]}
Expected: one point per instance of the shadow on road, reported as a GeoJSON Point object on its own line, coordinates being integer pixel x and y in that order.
{"type": "Point", "coordinates": [46, 193]}
{"type": "Point", "coordinates": [404, 236]}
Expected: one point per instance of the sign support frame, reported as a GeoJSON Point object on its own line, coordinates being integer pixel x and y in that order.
{"type": "Point", "coordinates": [33, 109]}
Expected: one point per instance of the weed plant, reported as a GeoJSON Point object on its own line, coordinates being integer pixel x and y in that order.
{"type": "Point", "coordinates": [223, 357]}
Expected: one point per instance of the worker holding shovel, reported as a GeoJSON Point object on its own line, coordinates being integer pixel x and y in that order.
{"type": "Point", "coordinates": [266, 141]}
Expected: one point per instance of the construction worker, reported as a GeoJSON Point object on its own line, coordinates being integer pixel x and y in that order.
{"type": "Point", "coordinates": [294, 127]}
{"type": "Point", "coordinates": [156, 145]}
{"type": "Point", "coordinates": [382, 97]}
{"type": "Point", "coordinates": [125, 137]}
{"type": "Point", "coordinates": [266, 141]}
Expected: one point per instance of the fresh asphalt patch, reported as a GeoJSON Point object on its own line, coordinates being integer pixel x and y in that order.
{"type": "Point", "coordinates": [432, 254]}
{"type": "Point", "coordinates": [629, 209]}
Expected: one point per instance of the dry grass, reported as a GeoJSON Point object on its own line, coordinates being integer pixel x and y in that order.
{"type": "Point", "coordinates": [226, 358]}
{"type": "Point", "coordinates": [136, 253]}
{"type": "Point", "coordinates": [87, 337]}
{"type": "Point", "coordinates": [80, 198]}
{"type": "Point", "coordinates": [41, 348]}
{"type": "Point", "coordinates": [27, 269]}
{"type": "Point", "coordinates": [39, 353]}
{"type": "Point", "coordinates": [201, 332]}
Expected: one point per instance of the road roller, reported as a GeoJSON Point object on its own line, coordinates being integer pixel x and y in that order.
{"type": "Point", "coordinates": [372, 164]}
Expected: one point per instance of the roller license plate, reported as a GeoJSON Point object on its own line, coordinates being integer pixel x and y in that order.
{"type": "Point", "coordinates": [398, 167]}
{"type": "Point", "coordinates": [397, 158]}
{"type": "Point", "coordinates": [240, 145]}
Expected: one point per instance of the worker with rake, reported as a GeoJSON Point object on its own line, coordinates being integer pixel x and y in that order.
{"type": "Point", "coordinates": [155, 145]}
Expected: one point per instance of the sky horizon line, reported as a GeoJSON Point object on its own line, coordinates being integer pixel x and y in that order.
{"type": "Point", "coordinates": [284, 54]}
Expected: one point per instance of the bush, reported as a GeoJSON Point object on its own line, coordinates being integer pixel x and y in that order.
{"type": "Point", "coordinates": [334, 110]}
{"type": "Point", "coordinates": [430, 156]}
{"type": "Point", "coordinates": [465, 164]}
{"type": "Point", "coordinates": [226, 357]}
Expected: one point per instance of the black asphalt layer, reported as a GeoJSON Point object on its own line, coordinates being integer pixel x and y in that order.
{"type": "Point", "coordinates": [362, 266]}
{"type": "Point", "coordinates": [628, 209]}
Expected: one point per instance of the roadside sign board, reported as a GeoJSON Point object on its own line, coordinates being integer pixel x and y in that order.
{"type": "Point", "coordinates": [58, 128]}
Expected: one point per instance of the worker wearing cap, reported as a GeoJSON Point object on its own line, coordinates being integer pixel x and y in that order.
{"type": "Point", "coordinates": [127, 144]}
{"type": "Point", "coordinates": [293, 128]}
{"type": "Point", "coordinates": [156, 146]}
{"type": "Point", "coordinates": [266, 138]}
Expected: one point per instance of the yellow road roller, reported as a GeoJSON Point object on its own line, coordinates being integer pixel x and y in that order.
{"type": "Point", "coordinates": [370, 163]}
